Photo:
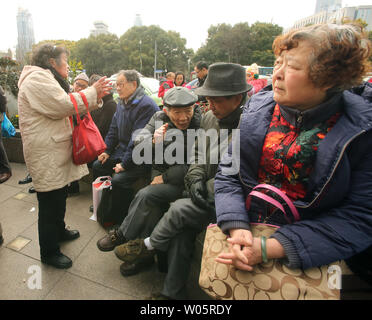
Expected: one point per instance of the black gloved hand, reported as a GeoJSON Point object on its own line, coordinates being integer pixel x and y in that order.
{"type": "Point", "coordinates": [199, 194]}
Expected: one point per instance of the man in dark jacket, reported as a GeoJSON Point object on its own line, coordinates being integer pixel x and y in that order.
{"type": "Point", "coordinates": [225, 89]}
{"type": "Point", "coordinates": [201, 70]}
{"type": "Point", "coordinates": [133, 112]}
{"type": "Point", "coordinates": [150, 203]}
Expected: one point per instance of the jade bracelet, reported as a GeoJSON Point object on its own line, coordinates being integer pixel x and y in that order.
{"type": "Point", "coordinates": [263, 249]}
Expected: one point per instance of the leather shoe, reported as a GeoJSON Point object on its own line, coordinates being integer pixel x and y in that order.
{"type": "Point", "coordinates": [129, 269]}
{"type": "Point", "coordinates": [1, 240]}
{"type": "Point", "coordinates": [31, 190]}
{"type": "Point", "coordinates": [110, 241]}
{"type": "Point", "coordinates": [57, 260]}
{"type": "Point", "coordinates": [26, 180]}
{"type": "Point", "coordinates": [69, 235]}
{"type": "Point", "coordinates": [4, 177]}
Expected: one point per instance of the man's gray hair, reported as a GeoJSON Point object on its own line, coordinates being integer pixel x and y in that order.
{"type": "Point", "coordinates": [130, 75]}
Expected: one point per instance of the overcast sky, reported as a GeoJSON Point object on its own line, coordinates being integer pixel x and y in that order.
{"type": "Point", "coordinates": [73, 19]}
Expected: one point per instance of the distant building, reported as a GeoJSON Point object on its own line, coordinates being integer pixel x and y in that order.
{"type": "Point", "coordinates": [138, 21]}
{"type": "Point", "coordinates": [338, 16]}
{"type": "Point", "coordinates": [26, 38]}
{"type": "Point", "coordinates": [328, 5]}
{"type": "Point", "coordinates": [100, 28]}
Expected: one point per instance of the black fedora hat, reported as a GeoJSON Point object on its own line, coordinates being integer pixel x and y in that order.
{"type": "Point", "coordinates": [224, 79]}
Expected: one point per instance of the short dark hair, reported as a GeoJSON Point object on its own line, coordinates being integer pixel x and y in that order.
{"type": "Point", "coordinates": [180, 73]}
{"type": "Point", "coordinates": [44, 52]}
{"type": "Point", "coordinates": [201, 64]}
{"type": "Point", "coordinates": [130, 75]}
{"type": "Point", "coordinates": [94, 78]}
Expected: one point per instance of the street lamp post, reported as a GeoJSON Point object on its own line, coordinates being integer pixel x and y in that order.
{"type": "Point", "coordinates": [155, 60]}
{"type": "Point", "coordinates": [140, 43]}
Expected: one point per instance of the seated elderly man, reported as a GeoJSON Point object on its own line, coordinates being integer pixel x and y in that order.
{"type": "Point", "coordinates": [177, 229]}
{"type": "Point", "coordinates": [167, 185]}
{"type": "Point", "coordinates": [133, 112]}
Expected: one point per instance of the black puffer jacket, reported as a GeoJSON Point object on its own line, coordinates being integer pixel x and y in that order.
{"type": "Point", "coordinates": [102, 117]}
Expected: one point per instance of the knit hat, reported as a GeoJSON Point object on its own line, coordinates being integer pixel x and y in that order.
{"type": "Point", "coordinates": [82, 76]}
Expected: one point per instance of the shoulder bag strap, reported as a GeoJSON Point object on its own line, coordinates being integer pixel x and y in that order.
{"type": "Point", "coordinates": [85, 100]}
{"type": "Point", "coordinates": [272, 201]}
{"type": "Point", "coordinates": [281, 194]}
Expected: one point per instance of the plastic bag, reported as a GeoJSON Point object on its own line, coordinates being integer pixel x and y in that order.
{"type": "Point", "coordinates": [97, 187]}
{"type": "Point", "coordinates": [7, 129]}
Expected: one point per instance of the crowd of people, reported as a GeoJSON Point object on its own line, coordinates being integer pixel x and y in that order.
{"type": "Point", "coordinates": [309, 134]}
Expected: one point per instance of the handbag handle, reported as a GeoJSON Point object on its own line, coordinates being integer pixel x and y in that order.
{"type": "Point", "coordinates": [73, 100]}
{"type": "Point", "coordinates": [85, 100]}
{"type": "Point", "coordinates": [272, 201]}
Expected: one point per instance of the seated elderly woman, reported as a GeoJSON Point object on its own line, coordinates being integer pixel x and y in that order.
{"type": "Point", "coordinates": [310, 137]}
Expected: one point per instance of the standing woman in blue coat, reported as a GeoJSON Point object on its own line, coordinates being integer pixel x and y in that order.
{"type": "Point", "coordinates": [310, 137]}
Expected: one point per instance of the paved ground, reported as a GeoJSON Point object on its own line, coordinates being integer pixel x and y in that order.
{"type": "Point", "coordinates": [94, 274]}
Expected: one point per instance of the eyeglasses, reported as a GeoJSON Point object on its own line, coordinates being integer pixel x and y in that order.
{"type": "Point", "coordinates": [119, 85]}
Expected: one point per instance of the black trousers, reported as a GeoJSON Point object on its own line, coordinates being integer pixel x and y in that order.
{"type": "Point", "coordinates": [4, 163]}
{"type": "Point", "coordinates": [51, 223]}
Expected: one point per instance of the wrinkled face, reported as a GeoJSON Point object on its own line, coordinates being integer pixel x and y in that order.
{"type": "Point", "coordinates": [125, 89]}
{"type": "Point", "coordinates": [179, 80]}
{"type": "Point", "coordinates": [223, 106]}
{"type": "Point", "coordinates": [180, 117]}
{"type": "Point", "coordinates": [80, 85]}
{"type": "Point", "coordinates": [201, 74]}
{"type": "Point", "coordinates": [291, 84]}
{"type": "Point", "coordinates": [61, 65]}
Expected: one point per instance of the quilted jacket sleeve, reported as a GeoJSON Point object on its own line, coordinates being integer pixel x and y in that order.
{"type": "Point", "coordinates": [341, 231]}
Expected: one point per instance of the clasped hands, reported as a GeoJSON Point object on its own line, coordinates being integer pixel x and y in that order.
{"type": "Point", "coordinates": [245, 250]}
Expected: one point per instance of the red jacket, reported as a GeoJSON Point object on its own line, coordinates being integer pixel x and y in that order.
{"type": "Point", "coordinates": [164, 87]}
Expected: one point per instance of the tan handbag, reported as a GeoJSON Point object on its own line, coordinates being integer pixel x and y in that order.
{"type": "Point", "coordinates": [268, 281]}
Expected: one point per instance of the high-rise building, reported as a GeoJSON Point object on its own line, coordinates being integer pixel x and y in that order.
{"type": "Point", "coordinates": [26, 38]}
{"type": "Point", "coordinates": [100, 28]}
{"type": "Point", "coordinates": [138, 21]}
{"type": "Point", "coordinates": [328, 5]}
{"type": "Point", "coordinates": [338, 16]}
